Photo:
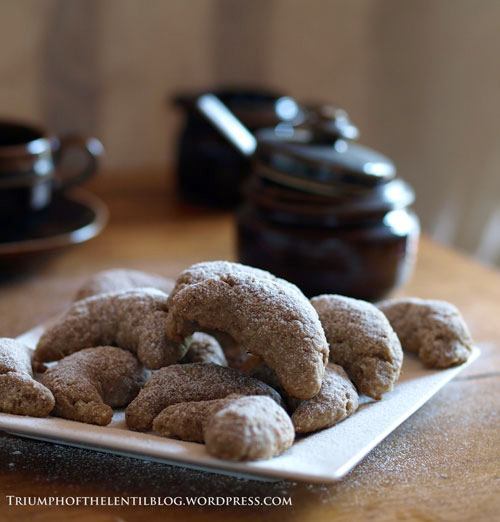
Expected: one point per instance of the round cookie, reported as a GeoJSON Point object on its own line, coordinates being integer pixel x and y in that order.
{"type": "Point", "coordinates": [264, 315]}
{"type": "Point", "coordinates": [89, 383]}
{"type": "Point", "coordinates": [20, 394]}
{"type": "Point", "coordinates": [119, 279]}
{"type": "Point", "coordinates": [433, 329]}
{"type": "Point", "coordinates": [249, 428]}
{"type": "Point", "coordinates": [188, 383]}
{"type": "Point", "coordinates": [132, 319]}
{"type": "Point", "coordinates": [337, 400]}
{"type": "Point", "coordinates": [361, 341]}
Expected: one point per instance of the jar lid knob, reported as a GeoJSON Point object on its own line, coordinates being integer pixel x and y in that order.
{"type": "Point", "coordinates": [329, 123]}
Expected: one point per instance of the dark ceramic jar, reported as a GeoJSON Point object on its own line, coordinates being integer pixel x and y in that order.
{"type": "Point", "coordinates": [210, 170]}
{"type": "Point", "coordinates": [328, 215]}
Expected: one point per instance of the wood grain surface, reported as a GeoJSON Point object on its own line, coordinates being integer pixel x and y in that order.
{"type": "Point", "coordinates": [442, 464]}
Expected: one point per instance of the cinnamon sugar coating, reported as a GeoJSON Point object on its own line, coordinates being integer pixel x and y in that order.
{"type": "Point", "coordinates": [264, 315]}
{"type": "Point", "coordinates": [119, 279]}
{"type": "Point", "coordinates": [186, 420]}
{"type": "Point", "coordinates": [20, 393]}
{"type": "Point", "coordinates": [435, 330]}
{"type": "Point", "coordinates": [249, 428]}
{"type": "Point", "coordinates": [188, 383]}
{"type": "Point", "coordinates": [132, 319]}
{"type": "Point", "coordinates": [204, 348]}
{"type": "Point", "coordinates": [361, 341]}
{"type": "Point", "coordinates": [88, 384]}
{"type": "Point", "coordinates": [336, 400]}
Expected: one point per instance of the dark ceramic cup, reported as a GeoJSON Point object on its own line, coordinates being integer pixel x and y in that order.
{"type": "Point", "coordinates": [34, 165]}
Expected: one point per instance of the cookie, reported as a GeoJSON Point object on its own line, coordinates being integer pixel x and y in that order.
{"type": "Point", "coordinates": [20, 394]}
{"type": "Point", "coordinates": [119, 279]}
{"type": "Point", "coordinates": [264, 315]}
{"type": "Point", "coordinates": [361, 341]}
{"type": "Point", "coordinates": [434, 330]}
{"type": "Point", "coordinates": [337, 400]}
{"type": "Point", "coordinates": [204, 348]}
{"type": "Point", "coordinates": [88, 384]}
{"type": "Point", "coordinates": [186, 420]}
{"type": "Point", "coordinates": [249, 428]}
{"type": "Point", "coordinates": [188, 383]}
{"type": "Point", "coordinates": [132, 319]}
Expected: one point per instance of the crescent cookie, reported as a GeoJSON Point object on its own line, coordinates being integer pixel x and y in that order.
{"type": "Point", "coordinates": [213, 269]}
{"type": "Point", "coordinates": [20, 394]}
{"type": "Point", "coordinates": [118, 279]}
{"type": "Point", "coordinates": [361, 341]}
{"type": "Point", "coordinates": [204, 348]}
{"type": "Point", "coordinates": [265, 316]}
{"type": "Point", "coordinates": [188, 383]}
{"type": "Point", "coordinates": [434, 330]}
{"type": "Point", "coordinates": [337, 400]}
{"type": "Point", "coordinates": [132, 319]}
{"type": "Point", "coordinates": [88, 384]}
{"type": "Point", "coordinates": [186, 420]}
{"type": "Point", "coordinates": [249, 428]}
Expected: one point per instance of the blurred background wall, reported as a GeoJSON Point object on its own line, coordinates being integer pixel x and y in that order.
{"type": "Point", "coordinates": [421, 78]}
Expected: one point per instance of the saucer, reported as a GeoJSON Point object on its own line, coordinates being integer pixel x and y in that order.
{"type": "Point", "coordinates": [71, 218]}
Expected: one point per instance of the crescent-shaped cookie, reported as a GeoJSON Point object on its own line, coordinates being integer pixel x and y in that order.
{"type": "Point", "coordinates": [337, 400]}
{"type": "Point", "coordinates": [20, 394]}
{"type": "Point", "coordinates": [432, 329]}
{"type": "Point", "coordinates": [132, 319]}
{"type": "Point", "coordinates": [186, 420]}
{"type": "Point", "coordinates": [188, 383]}
{"type": "Point", "coordinates": [361, 341]}
{"type": "Point", "coordinates": [88, 384]}
{"type": "Point", "coordinates": [264, 316]}
{"type": "Point", "coordinates": [249, 428]}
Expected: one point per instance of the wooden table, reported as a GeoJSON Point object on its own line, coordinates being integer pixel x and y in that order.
{"type": "Point", "coordinates": [441, 464]}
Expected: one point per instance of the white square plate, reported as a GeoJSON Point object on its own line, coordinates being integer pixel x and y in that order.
{"type": "Point", "coordinates": [323, 457]}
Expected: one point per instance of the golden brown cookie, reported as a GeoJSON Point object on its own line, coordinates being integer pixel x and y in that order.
{"type": "Point", "coordinates": [265, 316]}
{"type": "Point", "coordinates": [249, 428]}
{"type": "Point", "coordinates": [361, 341]}
{"type": "Point", "coordinates": [188, 383]}
{"type": "Point", "coordinates": [204, 348]}
{"type": "Point", "coordinates": [119, 279]}
{"type": "Point", "coordinates": [434, 330]}
{"type": "Point", "coordinates": [132, 319]}
{"type": "Point", "coordinates": [186, 420]}
{"type": "Point", "coordinates": [336, 400]}
{"type": "Point", "coordinates": [88, 384]}
{"type": "Point", "coordinates": [20, 394]}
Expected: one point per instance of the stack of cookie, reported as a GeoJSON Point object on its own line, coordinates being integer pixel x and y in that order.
{"type": "Point", "coordinates": [231, 356]}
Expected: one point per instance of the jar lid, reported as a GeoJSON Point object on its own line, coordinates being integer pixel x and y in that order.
{"type": "Point", "coordinates": [295, 157]}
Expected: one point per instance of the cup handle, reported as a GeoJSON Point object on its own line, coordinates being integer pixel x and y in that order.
{"type": "Point", "coordinates": [68, 177]}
